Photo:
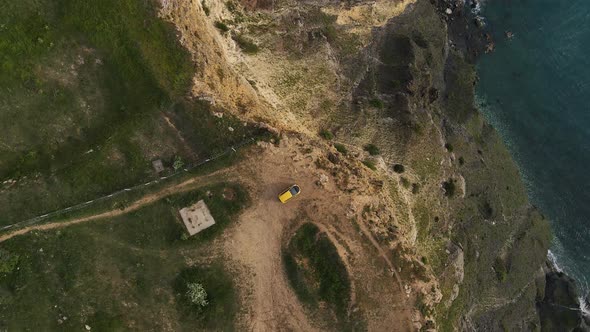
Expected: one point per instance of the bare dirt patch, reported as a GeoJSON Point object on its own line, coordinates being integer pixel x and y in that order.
{"type": "Point", "coordinates": [255, 243]}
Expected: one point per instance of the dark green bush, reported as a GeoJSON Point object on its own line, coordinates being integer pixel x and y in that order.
{"type": "Point", "coordinates": [221, 26]}
{"type": "Point", "coordinates": [341, 148]}
{"type": "Point", "coordinates": [377, 103]}
{"type": "Point", "coordinates": [248, 46]}
{"type": "Point", "coordinates": [372, 149]}
{"type": "Point", "coordinates": [370, 164]}
{"type": "Point", "coordinates": [449, 187]}
{"type": "Point", "coordinates": [326, 134]}
{"type": "Point", "coordinates": [398, 168]}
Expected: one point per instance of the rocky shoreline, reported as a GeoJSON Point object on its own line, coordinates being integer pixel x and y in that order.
{"type": "Point", "coordinates": [558, 299]}
{"type": "Point", "coordinates": [559, 304]}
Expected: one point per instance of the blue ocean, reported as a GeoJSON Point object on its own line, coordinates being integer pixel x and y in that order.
{"type": "Point", "coordinates": [535, 90]}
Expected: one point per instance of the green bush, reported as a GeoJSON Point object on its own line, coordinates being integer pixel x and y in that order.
{"type": "Point", "coordinates": [449, 147]}
{"type": "Point", "coordinates": [398, 168]}
{"type": "Point", "coordinates": [500, 269]}
{"type": "Point", "coordinates": [247, 46]}
{"type": "Point", "coordinates": [376, 103]}
{"type": "Point", "coordinates": [196, 294]}
{"type": "Point", "coordinates": [449, 188]}
{"type": "Point", "coordinates": [326, 134]}
{"type": "Point", "coordinates": [221, 297]}
{"type": "Point", "coordinates": [341, 148]}
{"type": "Point", "coordinates": [370, 164]}
{"type": "Point", "coordinates": [372, 149]}
{"type": "Point", "coordinates": [221, 26]}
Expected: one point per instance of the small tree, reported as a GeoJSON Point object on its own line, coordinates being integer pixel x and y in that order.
{"type": "Point", "coordinates": [178, 163]}
{"type": "Point", "coordinates": [196, 294]}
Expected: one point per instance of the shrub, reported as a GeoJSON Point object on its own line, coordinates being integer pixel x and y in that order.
{"type": "Point", "coordinates": [247, 46]}
{"type": "Point", "coordinates": [341, 148]}
{"type": "Point", "coordinates": [8, 262]}
{"type": "Point", "coordinates": [205, 8]}
{"type": "Point", "coordinates": [377, 103]}
{"type": "Point", "coordinates": [196, 294]}
{"type": "Point", "coordinates": [405, 182]}
{"type": "Point", "coordinates": [461, 161]}
{"type": "Point", "coordinates": [370, 164]}
{"type": "Point", "coordinates": [449, 187]}
{"type": "Point", "coordinates": [372, 149]}
{"type": "Point", "coordinates": [449, 147]}
{"type": "Point", "coordinates": [398, 168]}
{"type": "Point", "coordinates": [178, 163]}
{"type": "Point", "coordinates": [500, 269]}
{"type": "Point", "coordinates": [221, 26]}
{"type": "Point", "coordinates": [326, 134]}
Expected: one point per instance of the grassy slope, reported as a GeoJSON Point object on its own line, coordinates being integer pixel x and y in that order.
{"type": "Point", "coordinates": [317, 274]}
{"type": "Point", "coordinates": [120, 273]}
{"type": "Point", "coordinates": [72, 131]}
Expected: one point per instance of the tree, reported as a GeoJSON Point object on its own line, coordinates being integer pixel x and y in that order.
{"type": "Point", "coordinates": [196, 294]}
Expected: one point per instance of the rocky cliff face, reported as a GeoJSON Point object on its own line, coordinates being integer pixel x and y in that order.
{"type": "Point", "coordinates": [468, 244]}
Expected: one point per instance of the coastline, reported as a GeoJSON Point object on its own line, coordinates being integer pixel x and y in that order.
{"type": "Point", "coordinates": [469, 33]}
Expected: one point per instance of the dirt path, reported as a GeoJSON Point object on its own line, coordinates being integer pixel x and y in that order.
{"type": "Point", "coordinates": [136, 205]}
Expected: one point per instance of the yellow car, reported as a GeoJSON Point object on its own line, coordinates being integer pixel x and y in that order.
{"type": "Point", "coordinates": [291, 192]}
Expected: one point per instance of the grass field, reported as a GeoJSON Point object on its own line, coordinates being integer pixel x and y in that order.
{"type": "Point", "coordinates": [120, 274]}
{"type": "Point", "coordinates": [90, 93]}
{"type": "Point", "coordinates": [317, 274]}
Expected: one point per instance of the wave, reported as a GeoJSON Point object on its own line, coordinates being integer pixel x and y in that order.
{"type": "Point", "coordinates": [584, 306]}
{"type": "Point", "coordinates": [553, 260]}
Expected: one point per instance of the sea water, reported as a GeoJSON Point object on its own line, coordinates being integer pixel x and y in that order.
{"type": "Point", "coordinates": [535, 90]}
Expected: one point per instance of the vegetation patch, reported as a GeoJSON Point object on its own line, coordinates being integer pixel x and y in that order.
{"type": "Point", "coordinates": [449, 187]}
{"type": "Point", "coordinates": [246, 44]}
{"type": "Point", "coordinates": [221, 26]}
{"type": "Point", "coordinates": [372, 149]}
{"type": "Point", "coordinates": [370, 164]}
{"type": "Point", "coordinates": [105, 83]}
{"type": "Point", "coordinates": [398, 168]}
{"type": "Point", "coordinates": [326, 134]}
{"type": "Point", "coordinates": [341, 148]}
{"type": "Point", "coordinates": [89, 273]}
{"type": "Point", "coordinates": [317, 274]}
{"type": "Point", "coordinates": [376, 103]}
{"type": "Point", "coordinates": [207, 295]}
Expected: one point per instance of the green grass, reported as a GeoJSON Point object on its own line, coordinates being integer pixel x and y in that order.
{"type": "Point", "coordinates": [84, 108]}
{"type": "Point", "coordinates": [323, 278]}
{"type": "Point", "coordinates": [96, 273]}
{"type": "Point", "coordinates": [221, 295]}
